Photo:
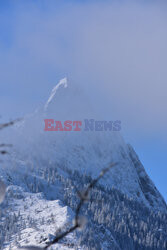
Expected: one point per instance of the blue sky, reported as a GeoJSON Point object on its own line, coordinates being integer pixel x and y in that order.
{"type": "Point", "coordinates": [115, 51]}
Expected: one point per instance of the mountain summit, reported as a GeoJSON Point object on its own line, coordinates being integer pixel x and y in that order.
{"type": "Point", "coordinates": [44, 170]}
{"type": "Point", "coordinates": [84, 151]}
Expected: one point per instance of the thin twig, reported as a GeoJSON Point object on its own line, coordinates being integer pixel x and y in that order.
{"type": "Point", "coordinates": [4, 125]}
{"type": "Point", "coordinates": [83, 198]}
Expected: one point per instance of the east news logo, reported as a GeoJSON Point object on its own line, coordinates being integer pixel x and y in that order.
{"type": "Point", "coordinates": [85, 125]}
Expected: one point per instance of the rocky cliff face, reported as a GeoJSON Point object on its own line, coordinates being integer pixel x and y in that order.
{"type": "Point", "coordinates": [150, 192]}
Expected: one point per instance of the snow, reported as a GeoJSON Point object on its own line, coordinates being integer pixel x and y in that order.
{"type": "Point", "coordinates": [46, 218]}
{"type": "Point", "coordinates": [62, 83]}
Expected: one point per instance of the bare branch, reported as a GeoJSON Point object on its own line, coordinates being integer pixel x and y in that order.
{"type": "Point", "coordinates": [83, 198]}
{"type": "Point", "coordinates": [77, 224]}
{"type": "Point", "coordinates": [4, 125]}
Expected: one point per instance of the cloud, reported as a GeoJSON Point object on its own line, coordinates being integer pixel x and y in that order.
{"type": "Point", "coordinates": [115, 51]}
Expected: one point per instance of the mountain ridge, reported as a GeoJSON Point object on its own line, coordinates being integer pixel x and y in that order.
{"type": "Point", "coordinates": [44, 170]}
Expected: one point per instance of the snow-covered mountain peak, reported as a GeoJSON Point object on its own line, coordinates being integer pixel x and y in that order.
{"type": "Point", "coordinates": [45, 168]}
{"type": "Point", "coordinates": [85, 151]}
{"type": "Point", "coordinates": [61, 83]}
{"type": "Point", "coordinates": [67, 102]}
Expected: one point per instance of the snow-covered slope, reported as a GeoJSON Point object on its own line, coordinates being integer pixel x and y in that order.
{"type": "Point", "coordinates": [37, 218]}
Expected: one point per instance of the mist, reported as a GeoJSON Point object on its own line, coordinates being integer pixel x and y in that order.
{"type": "Point", "coordinates": [114, 51]}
